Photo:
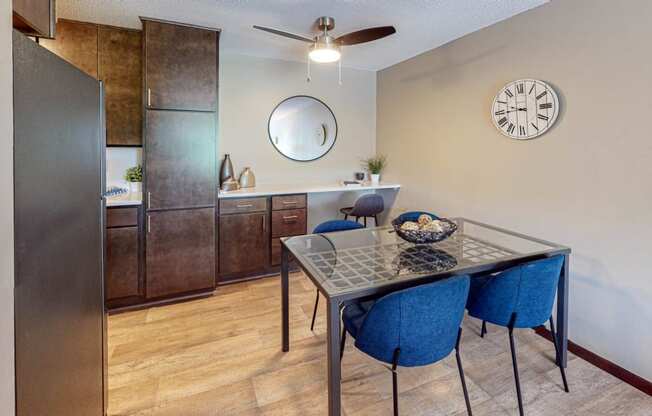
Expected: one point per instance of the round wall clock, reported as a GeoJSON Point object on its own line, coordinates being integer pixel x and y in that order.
{"type": "Point", "coordinates": [525, 109]}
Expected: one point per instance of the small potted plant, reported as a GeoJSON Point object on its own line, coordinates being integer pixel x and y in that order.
{"type": "Point", "coordinates": [375, 166]}
{"type": "Point", "coordinates": [134, 176]}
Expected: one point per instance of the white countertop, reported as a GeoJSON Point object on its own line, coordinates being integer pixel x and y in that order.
{"type": "Point", "coordinates": [123, 200]}
{"type": "Point", "coordinates": [264, 190]}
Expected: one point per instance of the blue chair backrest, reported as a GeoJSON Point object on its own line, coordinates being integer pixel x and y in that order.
{"type": "Point", "coordinates": [336, 225]}
{"type": "Point", "coordinates": [414, 216]}
{"type": "Point", "coordinates": [422, 321]}
{"type": "Point", "coordinates": [368, 205]}
{"type": "Point", "coordinates": [526, 292]}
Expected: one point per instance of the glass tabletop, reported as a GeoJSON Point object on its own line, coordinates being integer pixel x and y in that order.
{"type": "Point", "coordinates": [346, 261]}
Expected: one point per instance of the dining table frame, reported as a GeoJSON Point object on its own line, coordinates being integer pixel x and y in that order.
{"type": "Point", "coordinates": [335, 302]}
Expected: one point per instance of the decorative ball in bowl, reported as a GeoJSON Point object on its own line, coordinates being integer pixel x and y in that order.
{"type": "Point", "coordinates": [423, 227]}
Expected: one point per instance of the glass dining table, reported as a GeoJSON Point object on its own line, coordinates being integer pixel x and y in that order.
{"type": "Point", "coordinates": [367, 263]}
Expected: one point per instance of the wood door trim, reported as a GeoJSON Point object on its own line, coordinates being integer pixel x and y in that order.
{"type": "Point", "coordinates": [615, 370]}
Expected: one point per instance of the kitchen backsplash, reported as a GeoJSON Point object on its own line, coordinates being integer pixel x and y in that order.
{"type": "Point", "coordinates": [118, 160]}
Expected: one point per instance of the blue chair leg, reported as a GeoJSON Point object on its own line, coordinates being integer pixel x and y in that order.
{"type": "Point", "coordinates": [483, 331]}
{"type": "Point", "coordinates": [397, 352]}
{"type": "Point", "coordinates": [561, 367]}
{"type": "Point", "coordinates": [461, 370]}
{"type": "Point", "coordinates": [314, 312]}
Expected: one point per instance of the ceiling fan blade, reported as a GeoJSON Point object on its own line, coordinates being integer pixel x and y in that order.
{"type": "Point", "coordinates": [365, 35]}
{"type": "Point", "coordinates": [285, 34]}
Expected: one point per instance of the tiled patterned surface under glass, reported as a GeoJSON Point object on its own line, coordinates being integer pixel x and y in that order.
{"type": "Point", "coordinates": [358, 259]}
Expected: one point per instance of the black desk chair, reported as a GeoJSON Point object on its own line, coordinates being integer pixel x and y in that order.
{"type": "Point", "coordinates": [367, 206]}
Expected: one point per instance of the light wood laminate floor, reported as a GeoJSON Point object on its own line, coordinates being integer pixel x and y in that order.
{"type": "Point", "coordinates": [221, 356]}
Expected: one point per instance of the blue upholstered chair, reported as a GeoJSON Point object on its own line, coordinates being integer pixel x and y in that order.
{"type": "Point", "coordinates": [520, 297]}
{"type": "Point", "coordinates": [412, 327]}
{"type": "Point", "coordinates": [369, 205]}
{"type": "Point", "coordinates": [331, 227]}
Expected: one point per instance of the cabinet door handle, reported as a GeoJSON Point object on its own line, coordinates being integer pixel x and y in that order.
{"type": "Point", "coordinates": [149, 97]}
{"type": "Point", "coordinates": [290, 218]}
{"type": "Point", "coordinates": [289, 202]}
{"type": "Point", "coordinates": [244, 205]}
{"type": "Point", "coordinates": [149, 223]}
{"type": "Point", "coordinates": [149, 199]}
{"type": "Point", "coordinates": [264, 225]}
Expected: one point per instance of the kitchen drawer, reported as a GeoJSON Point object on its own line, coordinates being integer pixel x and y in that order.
{"type": "Point", "coordinates": [288, 222]}
{"type": "Point", "coordinates": [288, 202]}
{"type": "Point", "coordinates": [240, 205]}
{"type": "Point", "coordinates": [121, 217]}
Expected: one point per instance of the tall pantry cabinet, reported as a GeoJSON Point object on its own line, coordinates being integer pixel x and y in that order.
{"type": "Point", "coordinates": [180, 157]}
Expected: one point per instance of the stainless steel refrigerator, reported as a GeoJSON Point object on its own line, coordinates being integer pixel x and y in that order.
{"type": "Point", "coordinates": [58, 185]}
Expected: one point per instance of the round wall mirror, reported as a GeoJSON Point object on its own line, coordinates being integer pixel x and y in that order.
{"type": "Point", "coordinates": [302, 128]}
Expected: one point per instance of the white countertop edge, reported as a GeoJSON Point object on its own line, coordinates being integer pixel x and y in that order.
{"type": "Point", "coordinates": [124, 200]}
{"type": "Point", "coordinates": [265, 190]}
{"type": "Point", "coordinates": [110, 204]}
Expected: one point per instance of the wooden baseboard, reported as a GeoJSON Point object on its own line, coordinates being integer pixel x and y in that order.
{"type": "Point", "coordinates": [146, 304]}
{"type": "Point", "coordinates": [615, 370]}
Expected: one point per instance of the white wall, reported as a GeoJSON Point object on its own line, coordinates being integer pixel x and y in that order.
{"type": "Point", "coordinates": [6, 216]}
{"type": "Point", "coordinates": [118, 160]}
{"type": "Point", "coordinates": [585, 184]}
{"type": "Point", "coordinates": [250, 88]}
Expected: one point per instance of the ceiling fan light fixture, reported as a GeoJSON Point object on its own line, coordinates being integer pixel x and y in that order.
{"type": "Point", "coordinates": [325, 51]}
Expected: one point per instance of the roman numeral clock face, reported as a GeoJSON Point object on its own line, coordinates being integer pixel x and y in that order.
{"type": "Point", "coordinates": [525, 109]}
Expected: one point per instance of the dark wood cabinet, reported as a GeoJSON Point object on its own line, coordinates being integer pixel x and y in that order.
{"type": "Point", "coordinates": [124, 283]}
{"type": "Point", "coordinates": [180, 66]}
{"type": "Point", "coordinates": [251, 231]}
{"type": "Point", "coordinates": [113, 55]}
{"type": "Point", "coordinates": [34, 17]}
{"type": "Point", "coordinates": [119, 64]}
{"type": "Point", "coordinates": [122, 263]}
{"type": "Point", "coordinates": [180, 159]}
{"type": "Point", "coordinates": [180, 251]}
{"type": "Point", "coordinates": [76, 42]}
{"type": "Point", "coordinates": [244, 243]}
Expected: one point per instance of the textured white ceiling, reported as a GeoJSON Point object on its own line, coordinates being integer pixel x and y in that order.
{"type": "Point", "coordinates": [421, 24]}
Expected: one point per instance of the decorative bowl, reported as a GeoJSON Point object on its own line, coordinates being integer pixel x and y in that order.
{"type": "Point", "coordinates": [423, 236]}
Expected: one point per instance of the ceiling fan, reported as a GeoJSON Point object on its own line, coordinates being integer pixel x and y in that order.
{"type": "Point", "coordinates": [326, 48]}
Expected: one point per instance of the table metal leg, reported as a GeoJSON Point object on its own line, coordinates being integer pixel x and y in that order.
{"type": "Point", "coordinates": [334, 366]}
{"type": "Point", "coordinates": [285, 296]}
{"type": "Point", "coordinates": [562, 313]}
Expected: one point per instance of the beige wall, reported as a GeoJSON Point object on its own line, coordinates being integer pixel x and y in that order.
{"type": "Point", "coordinates": [6, 216]}
{"type": "Point", "coordinates": [251, 87]}
{"type": "Point", "coordinates": [586, 183]}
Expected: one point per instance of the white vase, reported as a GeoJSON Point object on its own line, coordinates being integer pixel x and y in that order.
{"type": "Point", "coordinates": [375, 178]}
{"type": "Point", "coordinates": [135, 187]}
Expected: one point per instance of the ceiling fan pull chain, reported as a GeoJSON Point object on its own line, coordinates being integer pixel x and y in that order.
{"type": "Point", "coordinates": [308, 78]}
{"type": "Point", "coordinates": [339, 67]}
